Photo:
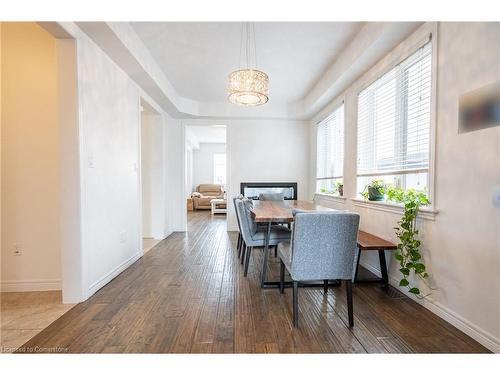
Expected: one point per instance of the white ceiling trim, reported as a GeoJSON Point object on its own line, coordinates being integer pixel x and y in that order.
{"type": "Point", "coordinates": [126, 49]}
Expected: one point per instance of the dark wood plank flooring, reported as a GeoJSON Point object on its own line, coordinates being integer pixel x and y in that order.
{"type": "Point", "coordinates": [188, 295]}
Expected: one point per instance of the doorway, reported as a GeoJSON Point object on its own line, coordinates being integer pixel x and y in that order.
{"type": "Point", "coordinates": [153, 194]}
{"type": "Point", "coordinates": [206, 170]}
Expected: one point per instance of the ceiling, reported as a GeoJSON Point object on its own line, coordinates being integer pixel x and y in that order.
{"type": "Point", "coordinates": [197, 57]}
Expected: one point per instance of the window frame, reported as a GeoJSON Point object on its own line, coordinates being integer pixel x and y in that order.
{"type": "Point", "coordinates": [214, 155]}
{"type": "Point", "coordinates": [339, 105]}
{"type": "Point", "coordinates": [432, 37]}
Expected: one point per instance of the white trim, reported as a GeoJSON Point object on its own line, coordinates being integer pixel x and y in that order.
{"type": "Point", "coordinates": [459, 322]}
{"type": "Point", "coordinates": [331, 198]}
{"type": "Point", "coordinates": [423, 212]}
{"type": "Point", "coordinates": [37, 285]}
{"type": "Point", "coordinates": [111, 275]}
{"type": "Point", "coordinates": [431, 180]}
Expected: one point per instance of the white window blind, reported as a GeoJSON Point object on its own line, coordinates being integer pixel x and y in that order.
{"type": "Point", "coordinates": [394, 119]}
{"type": "Point", "coordinates": [330, 147]}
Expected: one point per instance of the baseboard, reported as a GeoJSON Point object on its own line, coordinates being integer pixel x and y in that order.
{"type": "Point", "coordinates": [111, 275]}
{"type": "Point", "coordinates": [30, 285]}
{"type": "Point", "coordinates": [467, 327]}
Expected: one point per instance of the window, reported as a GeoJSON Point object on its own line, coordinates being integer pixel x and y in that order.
{"type": "Point", "coordinates": [330, 153]}
{"type": "Point", "coordinates": [220, 169]}
{"type": "Point", "coordinates": [394, 116]}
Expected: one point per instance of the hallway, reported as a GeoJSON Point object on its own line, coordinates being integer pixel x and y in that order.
{"type": "Point", "coordinates": [188, 295]}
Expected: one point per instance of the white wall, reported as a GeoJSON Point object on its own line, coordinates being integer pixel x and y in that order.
{"type": "Point", "coordinates": [109, 133]}
{"type": "Point", "coordinates": [30, 159]}
{"type": "Point", "coordinates": [203, 163]}
{"type": "Point", "coordinates": [175, 181]}
{"type": "Point", "coordinates": [152, 176]}
{"type": "Point", "coordinates": [461, 248]}
{"type": "Point", "coordinates": [189, 170]}
{"type": "Point", "coordinates": [109, 141]}
{"type": "Point", "coordinates": [267, 151]}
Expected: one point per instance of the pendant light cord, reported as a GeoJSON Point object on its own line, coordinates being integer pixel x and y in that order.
{"type": "Point", "coordinates": [247, 43]}
{"type": "Point", "coordinates": [254, 45]}
{"type": "Point", "coordinates": [248, 33]}
{"type": "Point", "coordinates": [241, 47]}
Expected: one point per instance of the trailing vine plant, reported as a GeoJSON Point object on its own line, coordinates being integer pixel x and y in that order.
{"type": "Point", "coordinates": [408, 251]}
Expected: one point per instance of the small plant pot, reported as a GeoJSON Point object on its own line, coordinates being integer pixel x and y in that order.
{"type": "Point", "coordinates": [374, 194]}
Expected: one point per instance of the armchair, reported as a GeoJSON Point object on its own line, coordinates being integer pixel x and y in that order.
{"type": "Point", "coordinates": [204, 194]}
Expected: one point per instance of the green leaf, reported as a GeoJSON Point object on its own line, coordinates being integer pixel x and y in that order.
{"type": "Point", "coordinates": [415, 290]}
{"type": "Point", "coordinates": [419, 267]}
{"type": "Point", "coordinates": [404, 282]}
{"type": "Point", "coordinates": [398, 257]}
{"type": "Point", "coordinates": [405, 271]}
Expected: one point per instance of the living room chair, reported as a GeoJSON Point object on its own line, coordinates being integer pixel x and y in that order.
{"type": "Point", "coordinates": [322, 247]}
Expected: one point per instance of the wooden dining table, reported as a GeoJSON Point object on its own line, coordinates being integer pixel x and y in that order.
{"type": "Point", "coordinates": [275, 212]}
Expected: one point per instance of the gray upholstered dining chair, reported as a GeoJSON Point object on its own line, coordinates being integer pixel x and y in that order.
{"type": "Point", "coordinates": [322, 247]}
{"type": "Point", "coordinates": [253, 235]}
{"type": "Point", "coordinates": [271, 196]}
{"type": "Point", "coordinates": [276, 197]}
{"type": "Point", "coordinates": [240, 242]}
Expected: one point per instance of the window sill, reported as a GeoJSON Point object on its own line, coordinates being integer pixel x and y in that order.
{"type": "Point", "coordinates": [426, 213]}
{"type": "Point", "coordinates": [331, 198]}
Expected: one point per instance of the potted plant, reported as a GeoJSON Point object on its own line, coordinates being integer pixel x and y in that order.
{"type": "Point", "coordinates": [340, 188]}
{"type": "Point", "coordinates": [326, 191]}
{"type": "Point", "coordinates": [408, 252]}
{"type": "Point", "coordinates": [375, 190]}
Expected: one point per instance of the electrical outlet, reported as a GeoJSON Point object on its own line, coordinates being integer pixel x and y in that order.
{"type": "Point", "coordinates": [17, 250]}
{"type": "Point", "coordinates": [123, 236]}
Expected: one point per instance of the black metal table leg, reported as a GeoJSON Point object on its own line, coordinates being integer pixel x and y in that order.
{"type": "Point", "coordinates": [383, 268]}
{"type": "Point", "coordinates": [266, 255]}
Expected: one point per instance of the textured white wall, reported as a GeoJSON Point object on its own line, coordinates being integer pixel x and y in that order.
{"type": "Point", "coordinates": [203, 162]}
{"type": "Point", "coordinates": [30, 159]}
{"type": "Point", "coordinates": [462, 246]}
{"type": "Point", "coordinates": [267, 151]}
{"type": "Point", "coordinates": [109, 133]}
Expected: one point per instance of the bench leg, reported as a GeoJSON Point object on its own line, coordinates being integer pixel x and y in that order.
{"type": "Point", "coordinates": [383, 268]}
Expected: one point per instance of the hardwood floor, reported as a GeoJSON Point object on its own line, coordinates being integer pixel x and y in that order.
{"type": "Point", "coordinates": [188, 295]}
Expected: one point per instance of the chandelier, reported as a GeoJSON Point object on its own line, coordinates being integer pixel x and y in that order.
{"type": "Point", "coordinates": [248, 86]}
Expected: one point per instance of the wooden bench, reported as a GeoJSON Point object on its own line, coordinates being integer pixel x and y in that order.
{"type": "Point", "coordinates": [369, 242]}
